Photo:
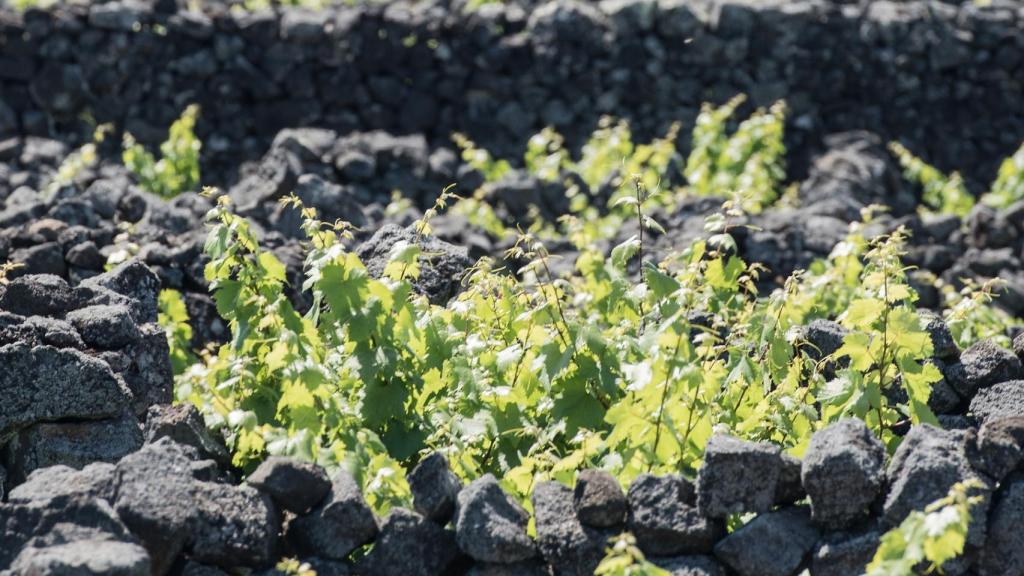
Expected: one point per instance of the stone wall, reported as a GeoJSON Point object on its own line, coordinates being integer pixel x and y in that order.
{"type": "Point", "coordinates": [944, 79]}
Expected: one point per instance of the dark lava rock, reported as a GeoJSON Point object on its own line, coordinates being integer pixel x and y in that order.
{"type": "Point", "coordinates": [435, 488]}
{"type": "Point", "coordinates": [108, 557]}
{"type": "Point", "coordinates": [410, 545]}
{"type": "Point", "coordinates": [943, 345]}
{"type": "Point", "coordinates": [1002, 400]}
{"type": "Point", "coordinates": [532, 567]}
{"type": "Point", "coordinates": [567, 545]}
{"type": "Point", "coordinates": [490, 526]}
{"type": "Point", "coordinates": [599, 500]}
{"type": "Point", "coordinates": [823, 337]}
{"type": "Point", "coordinates": [790, 487]}
{"type": "Point", "coordinates": [341, 523]}
{"type": "Point", "coordinates": [1001, 446]}
{"type": "Point", "coordinates": [234, 526]}
{"type": "Point", "coordinates": [1018, 344]}
{"type": "Point", "coordinates": [93, 481]}
{"type": "Point", "coordinates": [134, 280]}
{"type": "Point", "coordinates": [737, 476]}
{"type": "Point", "coordinates": [985, 364]}
{"type": "Point", "coordinates": [184, 424]}
{"type": "Point", "coordinates": [442, 265]}
{"type": "Point", "coordinates": [1003, 553]}
{"type": "Point", "coordinates": [689, 565]}
{"type": "Point", "coordinates": [104, 326]}
{"type": "Point", "coordinates": [44, 383]}
{"type": "Point", "coordinates": [37, 294]}
{"type": "Point", "coordinates": [843, 473]}
{"type": "Point", "coordinates": [294, 485]}
{"type": "Point", "coordinates": [773, 544]}
{"type": "Point", "coordinates": [844, 554]}
{"type": "Point", "coordinates": [925, 466]}
{"type": "Point", "coordinates": [74, 444]}
{"type": "Point", "coordinates": [664, 519]}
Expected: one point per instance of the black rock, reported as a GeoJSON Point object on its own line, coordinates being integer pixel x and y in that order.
{"type": "Point", "coordinates": [943, 345]}
{"type": "Point", "coordinates": [1003, 400]}
{"type": "Point", "coordinates": [44, 259]}
{"type": "Point", "coordinates": [184, 424]}
{"type": "Point", "coordinates": [37, 294]}
{"type": "Point", "coordinates": [1003, 553]}
{"type": "Point", "coordinates": [843, 473]}
{"type": "Point", "coordinates": [790, 487]}
{"type": "Point", "coordinates": [341, 523]}
{"type": "Point", "coordinates": [823, 337]}
{"type": "Point", "coordinates": [93, 481]}
{"type": "Point", "coordinates": [235, 526]}
{"type": "Point", "coordinates": [689, 565]}
{"type": "Point", "coordinates": [565, 543]}
{"type": "Point", "coordinates": [1001, 446]}
{"type": "Point", "coordinates": [845, 554]}
{"type": "Point", "coordinates": [490, 526]}
{"type": "Point", "coordinates": [134, 280]}
{"type": "Point", "coordinates": [985, 364]}
{"type": "Point", "coordinates": [665, 520]}
{"type": "Point", "coordinates": [92, 556]}
{"type": "Point", "coordinates": [435, 488]}
{"type": "Point", "coordinates": [737, 476]}
{"type": "Point", "coordinates": [104, 326]}
{"type": "Point", "coordinates": [442, 265]}
{"type": "Point", "coordinates": [773, 544]}
{"type": "Point", "coordinates": [294, 485]}
{"type": "Point", "coordinates": [410, 545]}
{"type": "Point", "coordinates": [599, 500]}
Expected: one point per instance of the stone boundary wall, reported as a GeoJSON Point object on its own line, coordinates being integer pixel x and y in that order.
{"type": "Point", "coordinates": [944, 79]}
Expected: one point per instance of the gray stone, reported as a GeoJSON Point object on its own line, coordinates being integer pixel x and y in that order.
{"type": "Point", "coordinates": [93, 481]}
{"type": "Point", "coordinates": [340, 524]}
{"type": "Point", "coordinates": [123, 16]}
{"type": "Point", "coordinates": [943, 345]}
{"type": "Point", "coordinates": [294, 485]}
{"type": "Point", "coordinates": [532, 567]}
{"type": "Point", "coordinates": [44, 383]}
{"type": "Point", "coordinates": [73, 444]}
{"type": "Point", "coordinates": [927, 464]}
{"type": "Point", "coordinates": [234, 526]}
{"type": "Point", "coordinates": [37, 294]}
{"type": "Point", "coordinates": [442, 265]}
{"type": "Point", "coordinates": [1001, 446]}
{"type": "Point", "coordinates": [599, 499]}
{"type": "Point", "coordinates": [843, 554]}
{"type": "Point", "coordinates": [410, 545]}
{"type": "Point", "coordinates": [790, 487]}
{"type": "Point", "coordinates": [664, 519]}
{"type": "Point", "coordinates": [184, 424]}
{"type": "Point", "coordinates": [843, 472]}
{"type": "Point", "coordinates": [134, 280]}
{"type": "Point", "coordinates": [107, 557]}
{"type": "Point", "coordinates": [773, 544]}
{"type": "Point", "coordinates": [149, 374]}
{"type": "Point", "coordinates": [1003, 400]}
{"type": "Point", "coordinates": [690, 565]}
{"type": "Point", "coordinates": [566, 544]}
{"type": "Point", "coordinates": [985, 364]}
{"type": "Point", "coordinates": [737, 476]}
{"type": "Point", "coordinates": [1003, 554]}
{"type": "Point", "coordinates": [435, 488]}
{"type": "Point", "coordinates": [490, 526]}
{"type": "Point", "coordinates": [823, 337]}
{"type": "Point", "coordinates": [106, 327]}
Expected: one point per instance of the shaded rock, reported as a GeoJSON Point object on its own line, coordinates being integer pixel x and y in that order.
{"type": "Point", "coordinates": [985, 364]}
{"type": "Point", "coordinates": [410, 545]}
{"type": "Point", "coordinates": [435, 488]}
{"type": "Point", "coordinates": [442, 265]}
{"type": "Point", "coordinates": [566, 545]}
{"type": "Point", "coordinates": [107, 327]}
{"type": "Point", "coordinates": [341, 523]}
{"type": "Point", "coordinates": [37, 294]}
{"type": "Point", "coordinates": [149, 374]}
{"type": "Point", "coordinates": [93, 481]}
{"type": "Point", "coordinates": [844, 554]}
{"type": "Point", "coordinates": [843, 473]}
{"type": "Point", "coordinates": [925, 466]}
{"type": "Point", "coordinates": [294, 485]}
{"type": "Point", "coordinates": [790, 488]}
{"type": "Point", "coordinates": [773, 544]}
{"type": "Point", "coordinates": [532, 567]}
{"type": "Point", "coordinates": [598, 499]}
{"type": "Point", "coordinates": [44, 259]}
{"type": "Point", "coordinates": [490, 526]}
{"type": "Point", "coordinates": [1001, 446]}
{"type": "Point", "coordinates": [943, 345]}
{"type": "Point", "coordinates": [84, 557]}
{"type": "Point", "coordinates": [44, 383]}
{"type": "Point", "coordinates": [1003, 400]}
{"type": "Point", "coordinates": [234, 526]}
{"type": "Point", "coordinates": [1003, 553]}
{"type": "Point", "coordinates": [664, 519]}
{"type": "Point", "coordinates": [184, 424]}
{"type": "Point", "coordinates": [690, 566]}
{"type": "Point", "coordinates": [73, 444]}
{"type": "Point", "coordinates": [737, 476]}
{"type": "Point", "coordinates": [823, 337]}
{"type": "Point", "coordinates": [134, 280]}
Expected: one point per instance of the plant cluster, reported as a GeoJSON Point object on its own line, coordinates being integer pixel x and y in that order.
{"type": "Point", "coordinates": [177, 170]}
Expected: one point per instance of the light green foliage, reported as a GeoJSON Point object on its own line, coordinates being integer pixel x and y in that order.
{"type": "Point", "coordinates": [941, 193]}
{"type": "Point", "coordinates": [625, 559]}
{"type": "Point", "coordinates": [971, 316]}
{"type": "Point", "coordinates": [480, 159]}
{"type": "Point", "coordinates": [173, 317]}
{"type": "Point", "coordinates": [1009, 185]}
{"type": "Point", "coordinates": [75, 162]}
{"type": "Point", "coordinates": [178, 169]}
{"type": "Point", "coordinates": [293, 567]}
{"type": "Point", "coordinates": [931, 537]}
{"type": "Point", "coordinates": [749, 162]}
{"type": "Point", "coordinates": [886, 348]}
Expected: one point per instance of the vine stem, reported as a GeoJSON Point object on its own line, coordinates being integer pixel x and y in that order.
{"type": "Point", "coordinates": [664, 396]}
